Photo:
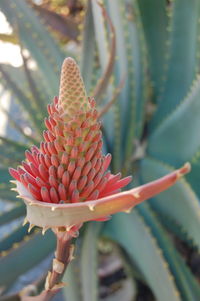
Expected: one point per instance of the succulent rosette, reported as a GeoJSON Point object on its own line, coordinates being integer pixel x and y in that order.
{"type": "Point", "coordinates": [65, 181]}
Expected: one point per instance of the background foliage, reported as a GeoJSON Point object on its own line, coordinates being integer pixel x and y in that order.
{"type": "Point", "coordinates": [151, 129]}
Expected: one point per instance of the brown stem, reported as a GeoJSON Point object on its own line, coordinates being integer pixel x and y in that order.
{"type": "Point", "coordinates": [63, 255]}
{"type": "Point", "coordinates": [62, 259]}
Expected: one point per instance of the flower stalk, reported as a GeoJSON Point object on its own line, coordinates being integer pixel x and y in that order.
{"type": "Point", "coordinates": [63, 256]}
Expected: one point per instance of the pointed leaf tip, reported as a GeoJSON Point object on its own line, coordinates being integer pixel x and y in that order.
{"type": "Point", "coordinates": [185, 169]}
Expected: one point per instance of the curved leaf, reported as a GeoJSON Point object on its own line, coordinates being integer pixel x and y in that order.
{"type": "Point", "coordinates": [155, 21]}
{"type": "Point", "coordinates": [179, 202]}
{"type": "Point", "coordinates": [72, 292]}
{"type": "Point", "coordinates": [13, 238]}
{"type": "Point", "coordinates": [182, 59]}
{"type": "Point", "coordinates": [17, 211]}
{"type": "Point", "coordinates": [177, 138]}
{"type": "Point", "coordinates": [21, 95]}
{"type": "Point", "coordinates": [88, 262]}
{"type": "Point", "coordinates": [88, 48]}
{"type": "Point", "coordinates": [18, 260]}
{"type": "Point", "coordinates": [102, 46]}
{"type": "Point", "coordinates": [186, 282]}
{"type": "Point", "coordinates": [131, 232]}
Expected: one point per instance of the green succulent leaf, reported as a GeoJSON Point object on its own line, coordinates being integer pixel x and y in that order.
{"type": "Point", "coordinates": [21, 95]}
{"type": "Point", "coordinates": [179, 202]}
{"type": "Point", "coordinates": [177, 139]}
{"type": "Point", "coordinates": [15, 237]}
{"type": "Point", "coordinates": [12, 153]}
{"type": "Point", "coordinates": [141, 246]}
{"type": "Point", "coordinates": [130, 63]}
{"type": "Point", "coordinates": [17, 211]}
{"type": "Point", "coordinates": [187, 284]}
{"type": "Point", "coordinates": [182, 56]}
{"type": "Point", "coordinates": [175, 228]}
{"type": "Point", "coordinates": [155, 21]}
{"type": "Point", "coordinates": [72, 291]}
{"type": "Point", "coordinates": [103, 55]}
{"type": "Point", "coordinates": [89, 259]}
{"type": "Point", "coordinates": [193, 177]}
{"type": "Point", "coordinates": [5, 186]}
{"type": "Point", "coordinates": [88, 48]}
{"type": "Point", "coordinates": [18, 260]}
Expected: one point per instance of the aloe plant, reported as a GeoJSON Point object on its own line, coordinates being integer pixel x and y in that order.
{"type": "Point", "coordinates": [160, 68]}
{"type": "Point", "coordinates": [64, 182]}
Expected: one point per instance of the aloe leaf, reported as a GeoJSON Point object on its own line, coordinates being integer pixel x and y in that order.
{"type": "Point", "coordinates": [4, 175]}
{"type": "Point", "coordinates": [22, 96]}
{"type": "Point", "coordinates": [126, 292]}
{"type": "Point", "coordinates": [177, 139]}
{"type": "Point", "coordinates": [18, 76]}
{"type": "Point", "coordinates": [181, 64]}
{"type": "Point", "coordinates": [100, 33]}
{"type": "Point", "coordinates": [72, 292]}
{"type": "Point", "coordinates": [171, 225]}
{"type": "Point", "coordinates": [6, 194]}
{"type": "Point", "coordinates": [37, 39]}
{"type": "Point", "coordinates": [155, 21]}
{"type": "Point", "coordinates": [102, 46]}
{"type": "Point", "coordinates": [123, 67]}
{"type": "Point", "coordinates": [187, 284]}
{"type": "Point", "coordinates": [17, 146]}
{"type": "Point", "coordinates": [5, 186]}
{"type": "Point", "coordinates": [140, 245]}
{"type": "Point", "coordinates": [19, 129]}
{"type": "Point", "coordinates": [29, 253]}
{"type": "Point", "coordinates": [88, 48]}
{"type": "Point", "coordinates": [179, 202]}
{"type": "Point", "coordinates": [13, 238]}
{"type": "Point", "coordinates": [193, 178]}
{"type": "Point", "coordinates": [88, 262]}
{"type": "Point", "coordinates": [103, 82]}
{"type": "Point", "coordinates": [130, 65]}
{"type": "Point", "coordinates": [137, 69]}
{"type": "Point", "coordinates": [12, 152]}
{"type": "Point", "coordinates": [37, 99]}
{"type": "Point", "coordinates": [17, 211]}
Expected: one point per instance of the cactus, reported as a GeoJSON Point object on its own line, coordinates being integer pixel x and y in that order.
{"type": "Point", "coordinates": [140, 142]}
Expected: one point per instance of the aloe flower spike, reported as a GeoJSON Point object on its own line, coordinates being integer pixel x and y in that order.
{"type": "Point", "coordinates": [64, 182]}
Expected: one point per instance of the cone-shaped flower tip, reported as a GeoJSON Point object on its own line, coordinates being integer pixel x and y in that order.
{"type": "Point", "coordinates": [72, 94]}
{"type": "Point", "coordinates": [65, 181]}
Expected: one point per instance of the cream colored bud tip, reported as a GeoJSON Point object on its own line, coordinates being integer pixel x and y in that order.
{"type": "Point", "coordinates": [69, 61]}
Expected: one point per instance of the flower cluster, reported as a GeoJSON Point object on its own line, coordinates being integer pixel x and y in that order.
{"type": "Point", "coordinates": [69, 166]}
{"type": "Point", "coordinates": [65, 181]}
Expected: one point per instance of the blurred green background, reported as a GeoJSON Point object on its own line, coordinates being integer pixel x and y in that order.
{"type": "Point", "coordinates": [146, 70]}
